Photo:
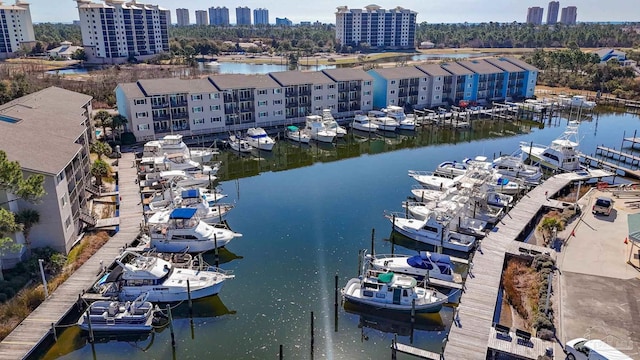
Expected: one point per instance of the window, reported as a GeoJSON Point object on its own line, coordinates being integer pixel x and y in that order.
{"type": "Point", "coordinates": [277, 102]}
{"type": "Point", "coordinates": [262, 92]}
{"type": "Point", "coordinates": [263, 114]}
{"type": "Point", "coordinates": [367, 83]}
{"type": "Point", "coordinates": [331, 97]}
{"type": "Point", "coordinates": [367, 93]}
{"type": "Point", "coordinates": [142, 127]}
{"type": "Point", "coordinates": [214, 96]}
{"type": "Point", "coordinates": [196, 97]}
{"type": "Point", "coordinates": [467, 94]}
{"type": "Point", "coordinates": [140, 101]}
{"type": "Point", "coordinates": [142, 114]}
{"type": "Point", "coordinates": [214, 107]}
{"type": "Point", "coordinates": [197, 109]}
{"type": "Point", "coordinates": [437, 87]}
{"type": "Point", "coordinates": [317, 98]}
{"type": "Point", "coordinates": [368, 102]}
{"type": "Point", "coordinates": [469, 86]}
{"type": "Point", "coordinates": [277, 113]}
{"type": "Point", "coordinates": [63, 200]}
{"type": "Point", "coordinates": [392, 92]}
{"type": "Point", "coordinates": [393, 82]}
{"type": "Point", "coordinates": [392, 101]}
{"type": "Point", "coordinates": [332, 86]}
{"type": "Point", "coordinates": [437, 97]}
{"type": "Point", "coordinates": [317, 87]}
{"type": "Point", "coordinates": [67, 222]}
{"type": "Point", "coordinates": [425, 79]}
{"type": "Point", "coordinates": [262, 103]}
{"type": "Point", "coordinates": [216, 119]}
{"type": "Point", "coordinates": [277, 91]}
{"type": "Point", "coordinates": [198, 121]}
{"type": "Point", "coordinates": [422, 98]}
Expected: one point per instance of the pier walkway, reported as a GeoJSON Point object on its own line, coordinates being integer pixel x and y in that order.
{"type": "Point", "coordinates": [35, 328]}
{"type": "Point", "coordinates": [470, 336]}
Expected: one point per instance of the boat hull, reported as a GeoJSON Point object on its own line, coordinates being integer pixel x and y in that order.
{"type": "Point", "coordinates": [167, 294]}
{"type": "Point", "coordinates": [352, 292]}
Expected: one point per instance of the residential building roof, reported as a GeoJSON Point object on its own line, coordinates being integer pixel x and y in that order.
{"type": "Point", "coordinates": [521, 64]}
{"type": "Point", "coordinates": [606, 54]}
{"type": "Point", "coordinates": [433, 70]}
{"type": "Point", "coordinates": [344, 74]}
{"type": "Point", "coordinates": [480, 67]}
{"type": "Point", "coordinates": [240, 81]}
{"type": "Point", "coordinates": [131, 90]}
{"type": "Point", "coordinates": [404, 72]}
{"type": "Point", "coordinates": [289, 78]}
{"type": "Point", "coordinates": [39, 130]}
{"type": "Point", "coordinates": [150, 87]}
{"type": "Point", "coordinates": [456, 69]}
{"type": "Point", "coordinates": [504, 64]}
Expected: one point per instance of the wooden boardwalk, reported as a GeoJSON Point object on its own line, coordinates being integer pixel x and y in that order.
{"type": "Point", "coordinates": [469, 337]}
{"type": "Point", "coordinates": [411, 350]}
{"type": "Point", "coordinates": [592, 161]}
{"type": "Point", "coordinates": [621, 156]}
{"type": "Point", "coordinates": [511, 344]}
{"type": "Point", "coordinates": [37, 326]}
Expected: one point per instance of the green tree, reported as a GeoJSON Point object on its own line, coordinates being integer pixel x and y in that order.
{"type": "Point", "coordinates": [101, 148]}
{"type": "Point", "coordinates": [27, 218]}
{"type": "Point", "coordinates": [102, 119]}
{"type": "Point", "coordinates": [548, 226]}
{"type": "Point", "coordinates": [8, 226]}
{"type": "Point", "coordinates": [12, 180]}
{"type": "Point", "coordinates": [99, 169]}
{"type": "Point", "coordinates": [117, 122]}
{"type": "Point", "coordinates": [79, 54]}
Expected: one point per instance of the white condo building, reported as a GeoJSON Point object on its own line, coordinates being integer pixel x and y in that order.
{"type": "Point", "coordinates": [182, 17]}
{"type": "Point", "coordinates": [16, 28]}
{"type": "Point", "coordinates": [376, 27]}
{"type": "Point", "coordinates": [116, 30]}
{"type": "Point", "coordinates": [202, 18]}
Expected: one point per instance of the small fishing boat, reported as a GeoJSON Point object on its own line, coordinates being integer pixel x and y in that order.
{"type": "Point", "coordinates": [384, 122]}
{"type": "Point", "coordinates": [397, 113]}
{"type": "Point", "coordinates": [317, 129]}
{"type": "Point", "coordinates": [239, 145]}
{"type": "Point", "coordinates": [331, 124]}
{"type": "Point", "coordinates": [362, 123]}
{"type": "Point", "coordinates": [393, 292]}
{"type": "Point", "coordinates": [424, 265]}
{"type": "Point", "coordinates": [138, 315]}
{"type": "Point", "coordinates": [258, 138]}
{"type": "Point", "coordinates": [296, 134]}
{"type": "Point", "coordinates": [451, 169]}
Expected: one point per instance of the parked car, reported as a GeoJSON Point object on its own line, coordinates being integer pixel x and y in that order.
{"type": "Point", "coordinates": [583, 349]}
{"type": "Point", "coordinates": [603, 205]}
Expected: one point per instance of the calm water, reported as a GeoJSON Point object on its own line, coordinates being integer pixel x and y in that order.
{"type": "Point", "coordinates": [305, 212]}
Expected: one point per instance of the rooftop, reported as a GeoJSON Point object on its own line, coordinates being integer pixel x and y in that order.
{"type": "Point", "coordinates": [288, 78]}
{"type": "Point", "coordinates": [240, 81]}
{"type": "Point", "coordinates": [344, 74]}
{"type": "Point", "coordinates": [164, 86]}
{"type": "Point", "coordinates": [480, 67]}
{"type": "Point", "coordinates": [49, 120]}
{"type": "Point", "coordinates": [433, 70]}
{"type": "Point", "coordinates": [504, 64]}
{"type": "Point", "coordinates": [399, 72]}
{"type": "Point", "coordinates": [521, 64]}
{"type": "Point", "coordinates": [456, 69]}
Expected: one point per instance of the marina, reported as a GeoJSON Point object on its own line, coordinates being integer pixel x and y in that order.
{"type": "Point", "coordinates": [333, 246]}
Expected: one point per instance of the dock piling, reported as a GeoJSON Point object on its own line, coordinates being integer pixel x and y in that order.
{"type": "Point", "coordinates": [173, 336]}
{"type": "Point", "coordinates": [373, 237]}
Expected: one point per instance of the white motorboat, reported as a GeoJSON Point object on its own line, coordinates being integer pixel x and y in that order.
{"type": "Point", "coordinates": [212, 63]}
{"type": "Point", "coordinates": [362, 123]}
{"type": "Point", "coordinates": [298, 135]}
{"type": "Point", "coordinates": [178, 178]}
{"type": "Point", "coordinates": [209, 212]}
{"type": "Point", "coordinates": [137, 274]}
{"type": "Point", "coordinates": [498, 199]}
{"type": "Point", "coordinates": [579, 101]}
{"type": "Point", "coordinates": [175, 161]}
{"type": "Point", "coordinates": [384, 122]}
{"type": "Point", "coordinates": [424, 194]}
{"type": "Point", "coordinates": [258, 138]}
{"type": "Point", "coordinates": [173, 144]}
{"type": "Point", "coordinates": [393, 292]}
{"type": "Point", "coordinates": [452, 211]}
{"type": "Point", "coordinates": [181, 230]}
{"type": "Point", "coordinates": [514, 167]}
{"type": "Point", "coordinates": [503, 185]}
{"type": "Point", "coordinates": [407, 122]}
{"type": "Point", "coordinates": [138, 315]}
{"type": "Point", "coordinates": [239, 145]}
{"type": "Point", "coordinates": [331, 124]}
{"type": "Point", "coordinates": [561, 155]}
{"type": "Point", "coordinates": [451, 169]}
{"type": "Point", "coordinates": [317, 129]}
{"type": "Point", "coordinates": [434, 181]}
{"type": "Point", "coordinates": [424, 265]}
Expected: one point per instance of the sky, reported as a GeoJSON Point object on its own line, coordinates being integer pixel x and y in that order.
{"type": "Point", "coordinates": [431, 11]}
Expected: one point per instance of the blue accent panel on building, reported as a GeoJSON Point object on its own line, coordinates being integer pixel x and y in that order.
{"type": "Point", "coordinates": [380, 99]}
{"type": "Point", "coordinates": [123, 105]}
{"type": "Point", "coordinates": [474, 87]}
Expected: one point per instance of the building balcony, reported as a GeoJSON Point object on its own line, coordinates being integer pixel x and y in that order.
{"type": "Point", "coordinates": [161, 117]}
{"type": "Point", "coordinates": [180, 115]}
{"type": "Point", "coordinates": [179, 103]}
{"type": "Point", "coordinates": [159, 105]}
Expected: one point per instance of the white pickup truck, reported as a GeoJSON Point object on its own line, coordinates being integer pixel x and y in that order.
{"type": "Point", "coordinates": [583, 349]}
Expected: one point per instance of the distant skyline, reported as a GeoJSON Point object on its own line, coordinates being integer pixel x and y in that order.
{"type": "Point", "coordinates": [434, 12]}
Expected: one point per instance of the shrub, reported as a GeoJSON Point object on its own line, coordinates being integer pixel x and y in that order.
{"type": "Point", "coordinates": [9, 292]}
{"type": "Point", "coordinates": [542, 322]}
{"type": "Point", "coordinates": [128, 138]}
{"type": "Point", "coordinates": [545, 334]}
{"type": "Point", "coordinates": [3, 297]}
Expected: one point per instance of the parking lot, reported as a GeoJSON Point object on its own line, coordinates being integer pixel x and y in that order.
{"type": "Point", "coordinates": [600, 292]}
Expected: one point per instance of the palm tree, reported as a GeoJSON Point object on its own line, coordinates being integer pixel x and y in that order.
{"type": "Point", "coordinates": [101, 148]}
{"type": "Point", "coordinates": [117, 122]}
{"type": "Point", "coordinates": [99, 168]}
{"type": "Point", "coordinates": [102, 118]}
{"type": "Point", "coordinates": [28, 218]}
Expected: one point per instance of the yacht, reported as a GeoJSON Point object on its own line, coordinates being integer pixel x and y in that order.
{"type": "Point", "coordinates": [514, 167]}
{"type": "Point", "coordinates": [579, 101]}
{"type": "Point", "coordinates": [504, 185]}
{"type": "Point", "coordinates": [239, 145]}
{"type": "Point", "coordinates": [451, 168]}
{"type": "Point", "coordinates": [176, 161]}
{"type": "Point", "coordinates": [397, 113]}
{"type": "Point", "coordinates": [181, 229]}
{"type": "Point", "coordinates": [433, 180]}
{"type": "Point", "coordinates": [258, 138]}
{"type": "Point", "coordinates": [138, 315]}
{"type": "Point", "coordinates": [393, 292]}
{"type": "Point", "coordinates": [384, 122]}
{"type": "Point", "coordinates": [561, 155]}
{"type": "Point", "coordinates": [298, 135]}
{"type": "Point", "coordinates": [362, 123]}
{"type": "Point", "coordinates": [432, 231]}
{"type": "Point", "coordinates": [318, 130]}
{"type": "Point", "coordinates": [452, 211]}
{"type": "Point", "coordinates": [173, 144]}
{"type": "Point", "coordinates": [137, 274]}
{"type": "Point", "coordinates": [425, 265]}
{"type": "Point", "coordinates": [331, 124]}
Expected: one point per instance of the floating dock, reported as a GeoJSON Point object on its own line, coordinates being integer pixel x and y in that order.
{"type": "Point", "coordinates": [38, 325]}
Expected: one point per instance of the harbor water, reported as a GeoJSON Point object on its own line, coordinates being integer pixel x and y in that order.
{"type": "Point", "coordinates": [305, 212]}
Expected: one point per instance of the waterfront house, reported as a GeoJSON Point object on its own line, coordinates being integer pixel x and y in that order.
{"type": "Point", "coordinates": [513, 78]}
{"type": "Point", "coordinates": [355, 90]}
{"type": "Point", "coordinates": [528, 86]}
{"type": "Point", "coordinates": [306, 93]}
{"type": "Point", "coordinates": [488, 81]}
{"type": "Point", "coordinates": [456, 87]}
{"type": "Point", "coordinates": [48, 133]}
{"type": "Point", "coordinates": [401, 86]}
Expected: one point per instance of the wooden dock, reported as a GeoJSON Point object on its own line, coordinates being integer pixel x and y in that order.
{"type": "Point", "coordinates": [592, 161]}
{"type": "Point", "coordinates": [512, 344]}
{"type": "Point", "coordinates": [470, 336]}
{"type": "Point", "coordinates": [617, 155]}
{"type": "Point", "coordinates": [35, 328]}
{"type": "Point", "coordinates": [411, 350]}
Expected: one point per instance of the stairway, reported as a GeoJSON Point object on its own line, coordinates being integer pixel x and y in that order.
{"type": "Point", "coordinates": [87, 218]}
